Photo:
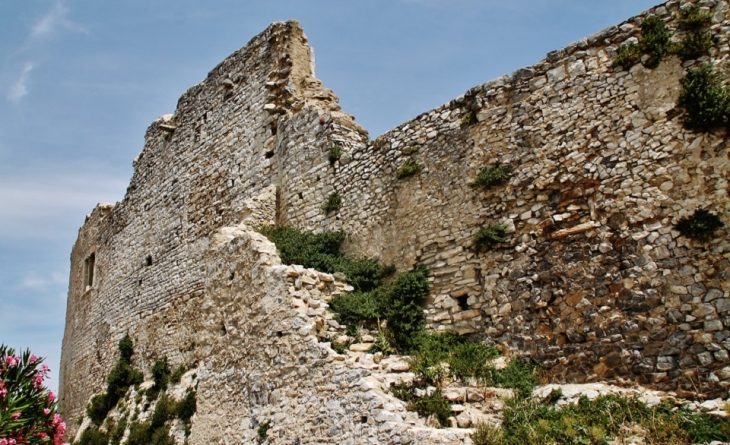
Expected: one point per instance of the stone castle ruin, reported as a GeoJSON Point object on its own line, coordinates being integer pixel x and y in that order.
{"type": "Point", "coordinates": [593, 280]}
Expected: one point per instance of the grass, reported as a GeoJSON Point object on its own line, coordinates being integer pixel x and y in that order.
{"type": "Point", "coordinates": [489, 236]}
{"type": "Point", "coordinates": [263, 430]}
{"type": "Point", "coordinates": [491, 176]}
{"type": "Point", "coordinates": [701, 226]}
{"type": "Point", "coordinates": [409, 168]}
{"type": "Point", "coordinates": [598, 421]}
{"type": "Point", "coordinates": [628, 55]}
{"type": "Point", "coordinates": [469, 119]}
{"type": "Point", "coordinates": [332, 203]}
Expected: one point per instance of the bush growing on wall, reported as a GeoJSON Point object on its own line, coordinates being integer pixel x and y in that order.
{"type": "Point", "coordinates": [409, 168]}
{"type": "Point", "coordinates": [700, 226]}
{"type": "Point", "coordinates": [489, 236]}
{"type": "Point", "coordinates": [496, 174]}
{"type": "Point", "coordinates": [704, 98]}
{"type": "Point", "coordinates": [27, 408]}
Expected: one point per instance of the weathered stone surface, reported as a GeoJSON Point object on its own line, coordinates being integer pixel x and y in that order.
{"type": "Point", "coordinates": [592, 279]}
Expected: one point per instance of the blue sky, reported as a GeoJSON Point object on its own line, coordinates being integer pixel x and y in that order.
{"type": "Point", "coordinates": [80, 81]}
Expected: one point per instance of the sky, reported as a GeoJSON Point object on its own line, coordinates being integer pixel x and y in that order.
{"type": "Point", "coordinates": [81, 80]}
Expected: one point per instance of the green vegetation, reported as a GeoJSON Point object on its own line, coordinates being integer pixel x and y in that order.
{"type": "Point", "coordinates": [700, 226]}
{"type": "Point", "coordinates": [335, 153]}
{"type": "Point", "coordinates": [93, 436]}
{"type": "Point", "coordinates": [489, 236]}
{"type": "Point", "coordinates": [469, 119]}
{"type": "Point", "coordinates": [263, 430]}
{"type": "Point", "coordinates": [116, 433]}
{"type": "Point", "coordinates": [628, 55]}
{"type": "Point", "coordinates": [321, 251]}
{"type": "Point", "coordinates": [705, 99]}
{"type": "Point", "coordinates": [697, 42]}
{"type": "Point", "coordinates": [496, 174]}
{"type": "Point", "coordinates": [409, 168]}
{"type": "Point", "coordinates": [332, 203]}
{"type": "Point", "coordinates": [596, 422]}
{"type": "Point", "coordinates": [655, 40]}
{"type": "Point", "coordinates": [119, 380]}
{"type": "Point", "coordinates": [177, 375]}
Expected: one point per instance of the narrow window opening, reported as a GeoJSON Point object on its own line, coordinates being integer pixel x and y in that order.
{"type": "Point", "coordinates": [269, 154]}
{"type": "Point", "coordinates": [148, 260]}
{"type": "Point", "coordinates": [463, 302]}
{"type": "Point", "coordinates": [273, 128]}
{"type": "Point", "coordinates": [89, 264]}
{"type": "Point", "coordinates": [301, 195]}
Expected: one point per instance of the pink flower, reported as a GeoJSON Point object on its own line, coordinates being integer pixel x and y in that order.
{"type": "Point", "coordinates": [46, 411]}
{"type": "Point", "coordinates": [45, 368]}
{"type": "Point", "coordinates": [3, 441]}
{"type": "Point", "coordinates": [38, 381]}
{"type": "Point", "coordinates": [16, 416]}
{"type": "Point", "coordinates": [3, 392]}
{"type": "Point", "coordinates": [51, 396]}
{"type": "Point", "coordinates": [33, 358]}
{"type": "Point", "coordinates": [11, 441]}
{"type": "Point", "coordinates": [12, 361]}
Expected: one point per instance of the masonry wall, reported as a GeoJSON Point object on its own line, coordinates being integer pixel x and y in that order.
{"type": "Point", "coordinates": [593, 281]}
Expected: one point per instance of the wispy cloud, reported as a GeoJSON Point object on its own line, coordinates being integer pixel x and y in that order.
{"type": "Point", "coordinates": [54, 19]}
{"type": "Point", "coordinates": [34, 281]}
{"type": "Point", "coordinates": [19, 89]}
{"type": "Point", "coordinates": [48, 26]}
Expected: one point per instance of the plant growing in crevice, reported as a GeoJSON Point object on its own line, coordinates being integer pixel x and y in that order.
{"type": "Point", "coordinates": [176, 376]}
{"type": "Point", "coordinates": [409, 168]}
{"type": "Point", "coordinates": [335, 153]}
{"type": "Point", "coordinates": [705, 99]}
{"type": "Point", "coordinates": [263, 430]}
{"type": "Point", "coordinates": [469, 119]}
{"type": "Point", "coordinates": [493, 175]}
{"type": "Point", "coordinates": [697, 41]}
{"type": "Point", "coordinates": [655, 42]}
{"type": "Point", "coordinates": [489, 236]}
{"type": "Point", "coordinates": [700, 226]}
{"type": "Point", "coordinates": [332, 203]}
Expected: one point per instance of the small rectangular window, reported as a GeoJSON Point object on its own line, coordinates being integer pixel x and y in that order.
{"type": "Point", "coordinates": [89, 271]}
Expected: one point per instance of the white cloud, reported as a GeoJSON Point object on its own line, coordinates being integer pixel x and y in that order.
{"type": "Point", "coordinates": [54, 19]}
{"type": "Point", "coordinates": [34, 281]}
{"type": "Point", "coordinates": [20, 88]}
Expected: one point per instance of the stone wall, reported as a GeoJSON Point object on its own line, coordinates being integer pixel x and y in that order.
{"type": "Point", "coordinates": [593, 281]}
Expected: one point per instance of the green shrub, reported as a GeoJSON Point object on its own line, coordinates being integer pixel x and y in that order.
{"type": "Point", "coordinates": [704, 428]}
{"type": "Point", "coordinates": [161, 436]}
{"type": "Point", "coordinates": [628, 55]}
{"type": "Point", "coordinates": [470, 360]}
{"type": "Point", "coordinates": [93, 436]}
{"type": "Point", "coordinates": [692, 18]}
{"type": "Point", "coordinates": [469, 119]}
{"type": "Point", "coordinates": [700, 226]}
{"type": "Point", "coordinates": [263, 430]}
{"type": "Point", "coordinates": [434, 404]}
{"type": "Point", "coordinates": [186, 408]}
{"type": "Point", "coordinates": [694, 45]}
{"type": "Point", "coordinates": [98, 408]}
{"type": "Point", "coordinates": [705, 99]}
{"type": "Point", "coordinates": [161, 374]}
{"type": "Point", "coordinates": [655, 40]}
{"type": "Point", "coordinates": [489, 236]}
{"type": "Point", "coordinates": [384, 342]}
{"type": "Point", "coordinates": [409, 168]}
{"type": "Point", "coordinates": [351, 309]}
{"type": "Point", "coordinates": [139, 434]}
{"type": "Point", "coordinates": [404, 312]}
{"type": "Point", "coordinates": [335, 153]}
{"type": "Point", "coordinates": [496, 174]}
{"type": "Point", "coordinates": [332, 203]}
{"type": "Point", "coordinates": [485, 434]}
{"type": "Point", "coordinates": [520, 375]}
{"type": "Point", "coordinates": [126, 349]}
{"type": "Point", "coordinates": [164, 411]}
{"type": "Point", "coordinates": [321, 251]}
{"type": "Point", "coordinates": [116, 434]}
{"type": "Point", "coordinates": [176, 376]}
